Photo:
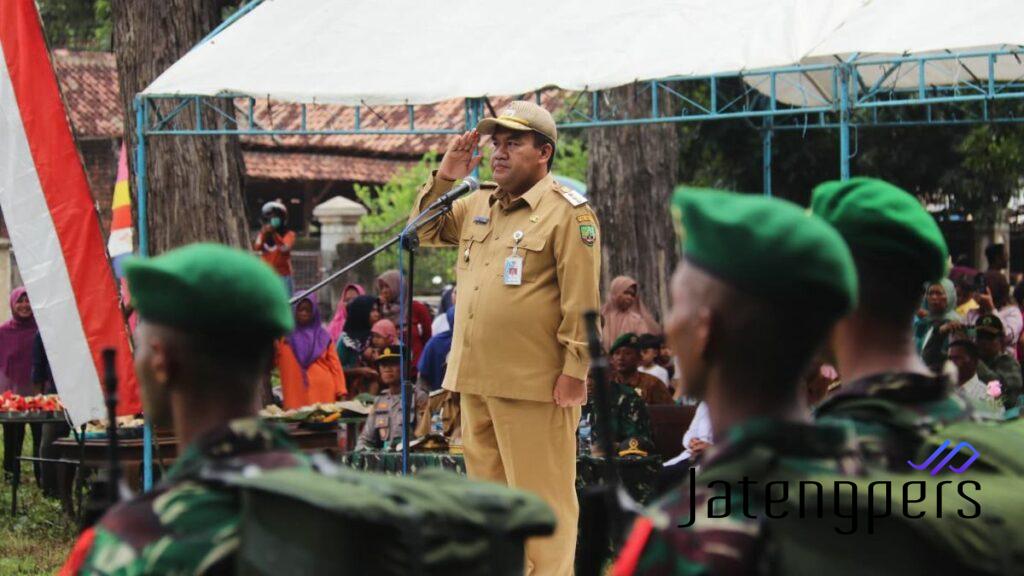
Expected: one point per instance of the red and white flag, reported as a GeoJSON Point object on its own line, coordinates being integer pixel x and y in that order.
{"type": "Point", "coordinates": [54, 229]}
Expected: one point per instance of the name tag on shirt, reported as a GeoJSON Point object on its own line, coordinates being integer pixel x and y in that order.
{"type": "Point", "coordinates": [513, 271]}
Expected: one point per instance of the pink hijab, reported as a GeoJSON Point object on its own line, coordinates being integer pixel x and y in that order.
{"type": "Point", "coordinates": [337, 325]}
{"type": "Point", "coordinates": [386, 328]}
{"type": "Point", "coordinates": [635, 319]}
{"type": "Point", "coordinates": [17, 336]}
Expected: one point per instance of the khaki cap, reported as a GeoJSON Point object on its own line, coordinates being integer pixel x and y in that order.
{"type": "Point", "coordinates": [522, 115]}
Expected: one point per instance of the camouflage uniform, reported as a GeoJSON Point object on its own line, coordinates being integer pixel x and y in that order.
{"type": "Point", "coordinates": [629, 413]}
{"type": "Point", "coordinates": [898, 417]}
{"type": "Point", "coordinates": [1007, 370]}
{"type": "Point", "coordinates": [188, 524]}
{"type": "Point", "coordinates": [758, 449]}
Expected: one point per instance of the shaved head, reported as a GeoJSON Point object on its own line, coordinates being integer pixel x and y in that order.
{"type": "Point", "coordinates": [757, 348]}
{"type": "Point", "coordinates": [200, 368]}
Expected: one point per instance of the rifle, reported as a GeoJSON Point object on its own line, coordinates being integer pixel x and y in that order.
{"type": "Point", "coordinates": [106, 492]}
{"type": "Point", "coordinates": [602, 516]}
{"type": "Point", "coordinates": [110, 383]}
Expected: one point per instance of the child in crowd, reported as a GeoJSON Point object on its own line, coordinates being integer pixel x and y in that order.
{"type": "Point", "coordinates": [382, 335]}
{"type": "Point", "coordinates": [650, 349]}
{"type": "Point", "coordinates": [384, 425]}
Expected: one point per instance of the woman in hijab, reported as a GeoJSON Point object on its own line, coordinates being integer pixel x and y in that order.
{"type": "Point", "coordinates": [362, 313]}
{"type": "Point", "coordinates": [17, 337]}
{"type": "Point", "coordinates": [623, 312]}
{"type": "Point", "coordinates": [309, 366]}
{"type": "Point", "coordinates": [382, 334]}
{"type": "Point", "coordinates": [337, 324]}
{"type": "Point", "coordinates": [933, 328]}
{"type": "Point", "coordinates": [389, 291]}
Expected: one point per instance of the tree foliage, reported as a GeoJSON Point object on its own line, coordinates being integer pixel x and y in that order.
{"type": "Point", "coordinates": [76, 24]}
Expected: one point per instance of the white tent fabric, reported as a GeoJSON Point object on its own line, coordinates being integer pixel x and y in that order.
{"type": "Point", "coordinates": [415, 52]}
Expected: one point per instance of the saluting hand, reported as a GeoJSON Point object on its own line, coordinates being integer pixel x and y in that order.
{"type": "Point", "coordinates": [462, 157]}
{"type": "Point", "coordinates": [569, 392]}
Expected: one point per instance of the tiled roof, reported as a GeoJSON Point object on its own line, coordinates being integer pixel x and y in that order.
{"type": "Point", "coordinates": [88, 81]}
{"type": "Point", "coordinates": [449, 114]}
{"type": "Point", "coordinates": [303, 166]}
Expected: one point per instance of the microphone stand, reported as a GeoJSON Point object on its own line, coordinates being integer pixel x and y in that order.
{"type": "Point", "coordinates": [409, 239]}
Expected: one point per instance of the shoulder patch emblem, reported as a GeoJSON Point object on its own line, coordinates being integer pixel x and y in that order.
{"type": "Point", "coordinates": [573, 197]}
{"type": "Point", "coordinates": [588, 233]}
{"type": "Point", "coordinates": [584, 218]}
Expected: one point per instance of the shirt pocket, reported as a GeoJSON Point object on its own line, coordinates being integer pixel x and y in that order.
{"type": "Point", "coordinates": [535, 261]}
{"type": "Point", "coordinates": [471, 245]}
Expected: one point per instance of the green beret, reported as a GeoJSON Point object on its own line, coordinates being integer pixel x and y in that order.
{"type": "Point", "coordinates": [769, 248]}
{"type": "Point", "coordinates": [627, 340]}
{"type": "Point", "coordinates": [883, 223]}
{"type": "Point", "coordinates": [210, 289]}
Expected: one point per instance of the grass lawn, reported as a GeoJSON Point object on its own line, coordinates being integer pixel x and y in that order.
{"type": "Point", "coordinates": [39, 538]}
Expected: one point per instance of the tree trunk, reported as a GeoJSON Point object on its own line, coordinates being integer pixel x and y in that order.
{"type": "Point", "coordinates": [630, 177]}
{"type": "Point", "coordinates": [194, 183]}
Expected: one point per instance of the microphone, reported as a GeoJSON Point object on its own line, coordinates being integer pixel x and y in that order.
{"type": "Point", "coordinates": [469, 184]}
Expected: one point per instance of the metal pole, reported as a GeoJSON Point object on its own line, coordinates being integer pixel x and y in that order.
{"type": "Point", "coordinates": [475, 106]}
{"type": "Point", "coordinates": [140, 199]}
{"type": "Point", "coordinates": [766, 150]}
{"type": "Point", "coordinates": [844, 122]}
{"type": "Point", "coordinates": [409, 243]}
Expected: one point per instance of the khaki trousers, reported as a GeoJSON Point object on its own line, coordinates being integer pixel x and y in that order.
{"type": "Point", "coordinates": [531, 446]}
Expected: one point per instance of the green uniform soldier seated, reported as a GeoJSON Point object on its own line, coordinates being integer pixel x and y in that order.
{"type": "Point", "coordinates": [625, 362]}
{"type": "Point", "coordinates": [994, 363]}
{"type": "Point", "coordinates": [209, 316]}
{"type": "Point", "coordinates": [383, 427]}
{"type": "Point", "coordinates": [900, 410]}
{"type": "Point", "coordinates": [630, 419]}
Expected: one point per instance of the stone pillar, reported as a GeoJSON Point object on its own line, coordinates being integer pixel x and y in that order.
{"type": "Point", "coordinates": [339, 224]}
{"type": "Point", "coordinates": [340, 243]}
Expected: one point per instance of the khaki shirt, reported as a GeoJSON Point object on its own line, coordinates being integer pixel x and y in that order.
{"type": "Point", "coordinates": [384, 424]}
{"type": "Point", "coordinates": [514, 341]}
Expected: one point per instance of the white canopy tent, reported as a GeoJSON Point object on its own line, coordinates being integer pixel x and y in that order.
{"type": "Point", "coordinates": [414, 52]}
{"type": "Point", "coordinates": [800, 59]}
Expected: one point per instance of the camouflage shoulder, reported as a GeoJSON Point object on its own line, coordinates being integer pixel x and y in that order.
{"type": "Point", "coordinates": [708, 540]}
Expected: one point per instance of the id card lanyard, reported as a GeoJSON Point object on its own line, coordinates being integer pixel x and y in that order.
{"type": "Point", "coordinates": [514, 263]}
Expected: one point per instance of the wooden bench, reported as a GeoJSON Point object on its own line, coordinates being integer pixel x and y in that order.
{"type": "Point", "coordinates": [668, 425]}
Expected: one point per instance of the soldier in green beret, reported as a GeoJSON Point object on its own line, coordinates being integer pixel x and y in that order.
{"type": "Point", "coordinates": [625, 361]}
{"type": "Point", "coordinates": [748, 261]}
{"type": "Point", "coordinates": [994, 363]}
{"type": "Point", "coordinates": [900, 409]}
{"type": "Point", "coordinates": [209, 318]}
{"type": "Point", "coordinates": [630, 418]}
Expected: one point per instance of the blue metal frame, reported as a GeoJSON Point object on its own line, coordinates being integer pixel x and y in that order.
{"type": "Point", "coordinates": [853, 103]}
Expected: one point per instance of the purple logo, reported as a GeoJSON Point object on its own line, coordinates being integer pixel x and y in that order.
{"type": "Point", "coordinates": [956, 450]}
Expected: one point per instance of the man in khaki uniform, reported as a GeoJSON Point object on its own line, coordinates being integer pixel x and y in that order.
{"type": "Point", "coordinates": [528, 268]}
